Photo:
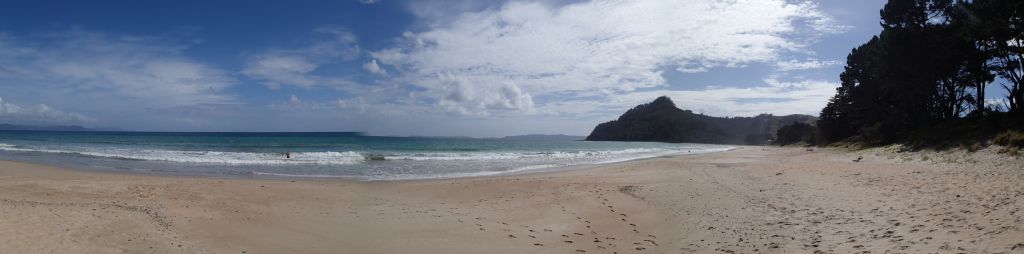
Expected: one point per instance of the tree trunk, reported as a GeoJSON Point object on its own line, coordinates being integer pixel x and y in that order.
{"type": "Point", "coordinates": [979, 102]}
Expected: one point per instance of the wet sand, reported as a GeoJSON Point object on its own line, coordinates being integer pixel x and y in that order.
{"type": "Point", "coordinates": [751, 200]}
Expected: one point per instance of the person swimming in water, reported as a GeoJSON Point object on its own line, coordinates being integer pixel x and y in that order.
{"type": "Point", "coordinates": [287, 155]}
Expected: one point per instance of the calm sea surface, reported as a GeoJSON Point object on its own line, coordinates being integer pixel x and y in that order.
{"type": "Point", "coordinates": [343, 155]}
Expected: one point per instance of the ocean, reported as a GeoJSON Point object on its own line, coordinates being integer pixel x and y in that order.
{"type": "Point", "coordinates": [319, 155]}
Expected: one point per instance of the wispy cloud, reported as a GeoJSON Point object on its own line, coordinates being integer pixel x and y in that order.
{"type": "Point", "coordinates": [296, 103]}
{"type": "Point", "coordinates": [146, 70]}
{"type": "Point", "coordinates": [295, 66]}
{"type": "Point", "coordinates": [374, 68]}
{"type": "Point", "coordinates": [808, 64]}
{"type": "Point", "coordinates": [41, 113]}
{"type": "Point", "coordinates": [501, 58]}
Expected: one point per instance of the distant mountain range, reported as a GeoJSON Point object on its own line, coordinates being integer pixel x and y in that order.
{"type": "Point", "coordinates": [662, 121]}
{"type": "Point", "coordinates": [12, 127]}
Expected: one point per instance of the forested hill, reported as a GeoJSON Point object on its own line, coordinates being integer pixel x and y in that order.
{"type": "Point", "coordinates": [662, 121]}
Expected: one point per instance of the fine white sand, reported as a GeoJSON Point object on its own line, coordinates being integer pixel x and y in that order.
{"type": "Point", "coordinates": [751, 200]}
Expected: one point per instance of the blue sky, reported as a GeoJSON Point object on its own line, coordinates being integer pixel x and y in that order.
{"type": "Point", "coordinates": [386, 67]}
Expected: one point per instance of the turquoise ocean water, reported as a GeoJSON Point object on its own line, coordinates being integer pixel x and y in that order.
{"type": "Point", "coordinates": [326, 155]}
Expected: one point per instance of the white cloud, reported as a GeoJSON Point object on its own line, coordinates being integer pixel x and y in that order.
{"type": "Point", "coordinates": [471, 62]}
{"type": "Point", "coordinates": [84, 64]}
{"type": "Point", "coordinates": [353, 105]}
{"type": "Point", "coordinates": [276, 70]}
{"type": "Point", "coordinates": [780, 98]}
{"type": "Point", "coordinates": [295, 66]}
{"type": "Point", "coordinates": [12, 113]}
{"type": "Point", "coordinates": [809, 64]}
{"type": "Point", "coordinates": [998, 104]}
{"type": "Point", "coordinates": [435, 12]}
{"type": "Point", "coordinates": [374, 68]}
{"type": "Point", "coordinates": [369, 1]}
{"type": "Point", "coordinates": [463, 97]}
{"type": "Point", "coordinates": [775, 97]}
{"type": "Point", "coordinates": [106, 79]}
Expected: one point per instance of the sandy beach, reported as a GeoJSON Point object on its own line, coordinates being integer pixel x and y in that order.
{"type": "Point", "coordinates": [750, 200]}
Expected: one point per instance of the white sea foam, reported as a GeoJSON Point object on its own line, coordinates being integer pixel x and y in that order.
{"type": "Point", "coordinates": [451, 164]}
{"type": "Point", "coordinates": [455, 174]}
{"type": "Point", "coordinates": [257, 173]}
{"type": "Point", "coordinates": [444, 156]}
{"type": "Point", "coordinates": [351, 157]}
{"type": "Point", "coordinates": [517, 170]}
{"type": "Point", "coordinates": [209, 157]}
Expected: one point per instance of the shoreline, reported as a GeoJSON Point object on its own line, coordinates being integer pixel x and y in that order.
{"type": "Point", "coordinates": [284, 176]}
{"type": "Point", "coordinates": [750, 200]}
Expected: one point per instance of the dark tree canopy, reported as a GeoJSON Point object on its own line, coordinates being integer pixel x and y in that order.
{"type": "Point", "coordinates": [795, 133]}
{"type": "Point", "coordinates": [929, 66]}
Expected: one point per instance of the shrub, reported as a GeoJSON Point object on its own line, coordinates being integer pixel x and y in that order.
{"type": "Point", "coordinates": [1010, 138]}
{"type": "Point", "coordinates": [795, 133]}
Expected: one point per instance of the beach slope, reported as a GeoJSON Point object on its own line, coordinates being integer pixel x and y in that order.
{"type": "Point", "coordinates": [750, 200]}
